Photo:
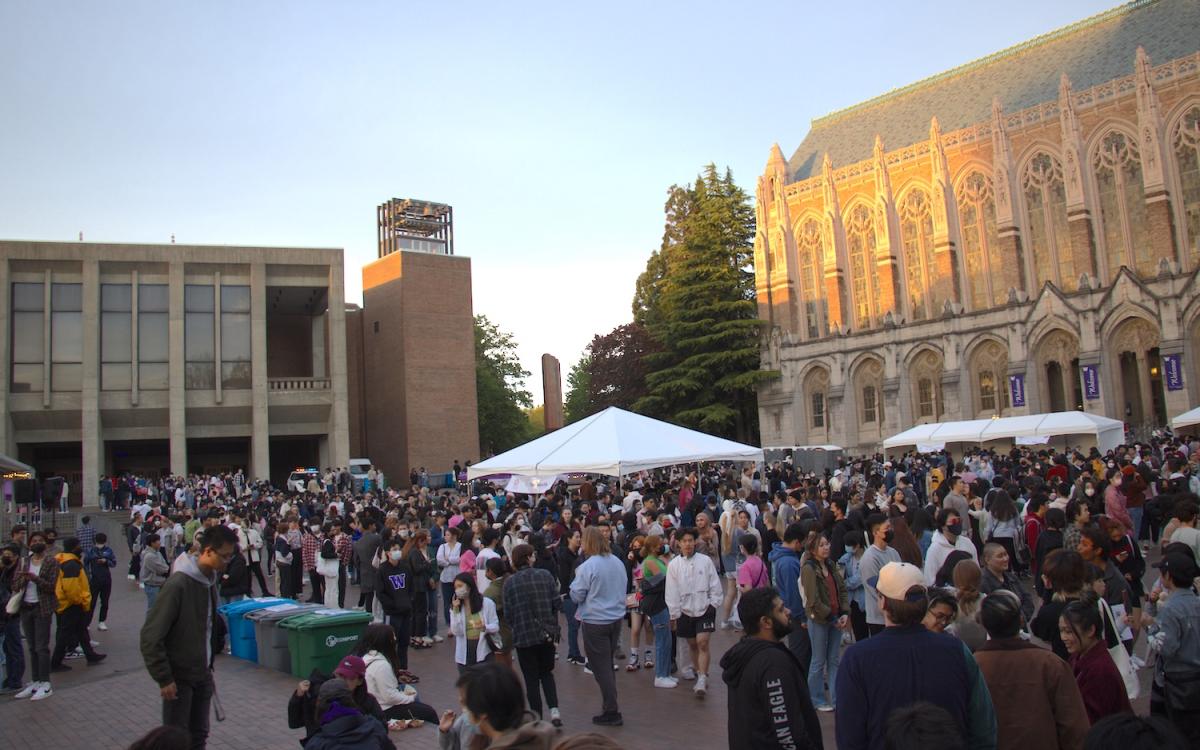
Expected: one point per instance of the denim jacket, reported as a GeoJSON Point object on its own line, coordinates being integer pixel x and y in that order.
{"type": "Point", "coordinates": [1176, 635]}
{"type": "Point", "coordinates": [854, 584]}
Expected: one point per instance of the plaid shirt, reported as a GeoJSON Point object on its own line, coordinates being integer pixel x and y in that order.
{"type": "Point", "coordinates": [87, 537]}
{"type": "Point", "coordinates": [344, 547]}
{"type": "Point", "coordinates": [310, 545]}
{"type": "Point", "coordinates": [531, 604]}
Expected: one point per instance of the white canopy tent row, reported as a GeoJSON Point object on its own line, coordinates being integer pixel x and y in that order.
{"type": "Point", "coordinates": [1032, 429]}
{"type": "Point", "coordinates": [614, 443]}
{"type": "Point", "coordinates": [1187, 419]}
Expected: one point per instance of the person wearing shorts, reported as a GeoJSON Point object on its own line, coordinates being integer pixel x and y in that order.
{"type": "Point", "coordinates": [693, 593]}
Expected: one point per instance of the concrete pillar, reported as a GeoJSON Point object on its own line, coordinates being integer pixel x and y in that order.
{"type": "Point", "coordinates": [90, 432]}
{"type": "Point", "coordinates": [951, 394]}
{"type": "Point", "coordinates": [339, 418]}
{"type": "Point", "coordinates": [318, 345]}
{"type": "Point", "coordinates": [6, 445]}
{"type": "Point", "coordinates": [891, 399]}
{"type": "Point", "coordinates": [176, 393]}
{"type": "Point", "coordinates": [260, 433]}
{"type": "Point", "coordinates": [1145, 389]}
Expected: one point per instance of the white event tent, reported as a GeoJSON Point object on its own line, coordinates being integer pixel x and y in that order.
{"type": "Point", "coordinates": [1187, 419]}
{"type": "Point", "coordinates": [1031, 429]}
{"type": "Point", "coordinates": [613, 442]}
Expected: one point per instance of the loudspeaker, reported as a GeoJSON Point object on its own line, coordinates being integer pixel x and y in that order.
{"type": "Point", "coordinates": [52, 489]}
{"type": "Point", "coordinates": [25, 491]}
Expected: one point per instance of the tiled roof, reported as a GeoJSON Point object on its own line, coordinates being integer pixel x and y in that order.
{"type": "Point", "coordinates": [1091, 51]}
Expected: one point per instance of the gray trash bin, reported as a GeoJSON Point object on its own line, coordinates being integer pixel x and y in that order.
{"type": "Point", "coordinates": [273, 649]}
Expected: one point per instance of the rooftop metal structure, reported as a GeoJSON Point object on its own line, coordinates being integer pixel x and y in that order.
{"type": "Point", "coordinates": [416, 226]}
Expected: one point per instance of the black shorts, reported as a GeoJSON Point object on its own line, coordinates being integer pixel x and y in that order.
{"type": "Point", "coordinates": [690, 627]}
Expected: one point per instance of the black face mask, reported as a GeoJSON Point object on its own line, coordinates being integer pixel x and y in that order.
{"type": "Point", "coordinates": [37, 548]}
{"type": "Point", "coordinates": [889, 536]}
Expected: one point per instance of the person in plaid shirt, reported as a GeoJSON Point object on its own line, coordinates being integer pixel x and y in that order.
{"type": "Point", "coordinates": [310, 545]}
{"type": "Point", "coordinates": [531, 605]}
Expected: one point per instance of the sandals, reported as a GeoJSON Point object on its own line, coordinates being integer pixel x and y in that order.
{"type": "Point", "coordinates": [407, 678]}
{"type": "Point", "coordinates": [399, 725]}
{"type": "Point", "coordinates": [632, 667]}
{"type": "Point", "coordinates": [648, 664]}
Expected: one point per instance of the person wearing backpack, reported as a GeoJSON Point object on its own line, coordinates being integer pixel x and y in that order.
{"type": "Point", "coordinates": [327, 566]}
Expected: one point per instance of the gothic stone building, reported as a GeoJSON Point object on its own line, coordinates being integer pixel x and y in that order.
{"type": "Point", "coordinates": [1017, 235]}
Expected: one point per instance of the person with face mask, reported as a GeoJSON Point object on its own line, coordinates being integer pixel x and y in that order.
{"type": "Point", "coordinates": [183, 631]}
{"type": "Point", "coordinates": [879, 553]}
{"type": "Point", "coordinates": [99, 562]}
{"type": "Point", "coordinates": [396, 582]}
{"type": "Point", "coordinates": [493, 714]}
{"type": "Point", "coordinates": [37, 576]}
{"type": "Point", "coordinates": [768, 698]}
{"type": "Point", "coordinates": [10, 625]}
{"type": "Point", "coordinates": [310, 549]}
{"type": "Point", "coordinates": [473, 619]}
{"type": "Point", "coordinates": [949, 539]}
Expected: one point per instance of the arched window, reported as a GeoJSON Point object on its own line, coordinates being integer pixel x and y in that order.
{"type": "Point", "coordinates": [1187, 151]}
{"type": "Point", "coordinates": [925, 403]}
{"type": "Point", "coordinates": [1046, 218]}
{"type": "Point", "coordinates": [990, 363]}
{"type": "Point", "coordinates": [977, 212]}
{"type": "Point", "coordinates": [870, 404]}
{"type": "Point", "coordinates": [916, 229]}
{"type": "Point", "coordinates": [987, 390]}
{"type": "Point", "coordinates": [818, 410]}
{"type": "Point", "coordinates": [811, 253]}
{"type": "Point", "coordinates": [860, 236]}
{"type": "Point", "coordinates": [1122, 205]}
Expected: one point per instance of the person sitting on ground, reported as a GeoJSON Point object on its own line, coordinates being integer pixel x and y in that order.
{"type": "Point", "coordinates": [343, 724]}
{"type": "Point", "coordinates": [377, 647]}
{"type": "Point", "coordinates": [302, 706]}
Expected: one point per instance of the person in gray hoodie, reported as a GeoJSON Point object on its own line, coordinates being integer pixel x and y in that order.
{"type": "Point", "coordinates": [182, 632]}
{"type": "Point", "coordinates": [154, 570]}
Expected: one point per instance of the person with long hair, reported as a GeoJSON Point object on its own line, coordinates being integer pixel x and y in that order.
{"type": "Point", "coordinates": [652, 603]}
{"type": "Point", "coordinates": [1064, 576]}
{"type": "Point", "coordinates": [497, 571]}
{"type": "Point", "coordinates": [378, 647]}
{"type": "Point", "coordinates": [423, 571]}
{"type": "Point", "coordinates": [395, 593]}
{"type": "Point", "coordinates": [473, 619]}
{"type": "Point", "coordinates": [532, 602]}
{"type": "Point", "coordinates": [827, 607]}
{"type": "Point", "coordinates": [1005, 525]}
{"type": "Point", "coordinates": [966, 579]}
{"type": "Point", "coordinates": [905, 543]}
{"type": "Point", "coordinates": [1100, 682]}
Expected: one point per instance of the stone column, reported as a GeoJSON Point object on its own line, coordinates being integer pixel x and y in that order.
{"type": "Point", "coordinates": [260, 432]}
{"type": "Point", "coordinates": [90, 432]}
{"type": "Point", "coordinates": [6, 444]}
{"type": "Point", "coordinates": [892, 410]}
{"type": "Point", "coordinates": [1160, 227]}
{"type": "Point", "coordinates": [339, 425]}
{"type": "Point", "coordinates": [1083, 247]}
{"type": "Point", "coordinates": [318, 345]}
{"type": "Point", "coordinates": [841, 431]}
{"type": "Point", "coordinates": [1145, 389]}
{"type": "Point", "coordinates": [951, 401]}
{"type": "Point", "coordinates": [176, 393]}
{"type": "Point", "coordinates": [1011, 274]}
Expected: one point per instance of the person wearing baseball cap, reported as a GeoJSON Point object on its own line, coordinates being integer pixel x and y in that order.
{"type": "Point", "coordinates": [302, 706]}
{"type": "Point", "coordinates": [906, 663]}
{"type": "Point", "coordinates": [1174, 637]}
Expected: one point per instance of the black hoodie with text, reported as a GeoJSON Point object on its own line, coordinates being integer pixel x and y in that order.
{"type": "Point", "coordinates": [769, 696]}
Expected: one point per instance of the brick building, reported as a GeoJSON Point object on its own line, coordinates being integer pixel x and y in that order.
{"type": "Point", "coordinates": [1016, 235]}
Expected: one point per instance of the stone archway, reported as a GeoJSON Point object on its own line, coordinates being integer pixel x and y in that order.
{"type": "Point", "coordinates": [989, 379]}
{"type": "Point", "coordinates": [1137, 376]}
{"type": "Point", "coordinates": [868, 392]}
{"type": "Point", "coordinates": [1057, 361]}
{"type": "Point", "coordinates": [815, 390]}
{"type": "Point", "coordinates": [925, 386]}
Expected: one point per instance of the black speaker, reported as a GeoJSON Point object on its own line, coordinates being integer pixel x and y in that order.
{"type": "Point", "coordinates": [52, 489]}
{"type": "Point", "coordinates": [25, 491]}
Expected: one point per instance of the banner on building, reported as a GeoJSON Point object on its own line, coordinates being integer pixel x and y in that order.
{"type": "Point", "coordinates": [1016, 389]}
{"type": "Point", "coordinates": [1091, 381]}
{"type": "Point", "coordinates": [1173, 371]}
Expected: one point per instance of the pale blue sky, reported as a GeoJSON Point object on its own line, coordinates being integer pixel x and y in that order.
{"type": "Point", "coordinates": [553, 129]}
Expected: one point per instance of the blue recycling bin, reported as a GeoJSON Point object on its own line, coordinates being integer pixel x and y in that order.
{"type": "Point", "coordinates": [242, 643]}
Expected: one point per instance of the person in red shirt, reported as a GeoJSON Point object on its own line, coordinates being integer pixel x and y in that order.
{"type": "Point", "coordinates": [1035, 523]}
{"type": "Point", "coordinates": [1100, 682]}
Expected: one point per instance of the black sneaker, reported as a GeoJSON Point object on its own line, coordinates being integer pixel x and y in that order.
{"type": "Point", "coordinates": [576, 661]}
{"type": "Point", "coordinates": [608, 719]}
{"type": "Point", "coordinates": [97, 659]}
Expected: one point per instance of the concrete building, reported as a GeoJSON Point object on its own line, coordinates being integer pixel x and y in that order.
{"type": "Point", "coordinates": [414, 403]}
{"type": "Point", "coordinates": [171, 358]}
{"type": "Point", "coordinates": [1017, 235]}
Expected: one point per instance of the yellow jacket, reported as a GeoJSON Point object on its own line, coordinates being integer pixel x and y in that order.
{"type": "Point", "coordinates": [72, 588]}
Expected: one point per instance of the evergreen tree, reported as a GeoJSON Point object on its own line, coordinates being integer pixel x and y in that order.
{"type": "Point", "coordinates": [500, 390]}
{"type": "Point", "coordinates": [699, 305]}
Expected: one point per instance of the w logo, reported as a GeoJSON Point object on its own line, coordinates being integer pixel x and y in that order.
{"type": "Point", "coordinates": [397, 581]}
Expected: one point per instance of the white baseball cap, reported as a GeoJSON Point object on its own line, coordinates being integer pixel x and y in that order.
{"type": "Point", "coordinates": [896, 579]}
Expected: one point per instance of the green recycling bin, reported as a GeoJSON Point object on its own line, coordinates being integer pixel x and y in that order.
{"type": "Point", "coordinates": [319, 640]}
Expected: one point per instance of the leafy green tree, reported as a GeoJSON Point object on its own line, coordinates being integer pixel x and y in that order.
{"type": "Point", "coordinates": [500, 388]}
{"type": "Point", "coordinates": [537, 420]}
{"type": "Point", "coordinates": [578, 403]}
{"type": "Point", "coordinates": [618, 366]}
{"type": "Point", "coordinates": [699, 305]}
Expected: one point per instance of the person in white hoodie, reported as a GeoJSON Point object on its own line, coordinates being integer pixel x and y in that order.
{"type": "Point", "coordinates": [948, 539]}
{"type": "Point", "coordinates": [377, 647]}
{"type": "Point", "coordinates": [693, 593]}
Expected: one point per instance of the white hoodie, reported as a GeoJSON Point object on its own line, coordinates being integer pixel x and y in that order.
{"type": "Point", "coordinates": [382, 682]}
{"type": "Point", "coordinates": [939, 549]}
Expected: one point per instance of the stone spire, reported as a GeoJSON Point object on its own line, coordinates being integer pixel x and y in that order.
{"type": "Point", "coordinates": [1149, 126]}
{"type": "Point", "coordinates": [1072, 146]}
{"type": "Point", "coordinates": [1002, 167]}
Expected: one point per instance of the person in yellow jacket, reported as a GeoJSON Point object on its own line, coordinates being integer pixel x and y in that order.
{"type": "Point", "coordinates": [74, 596]}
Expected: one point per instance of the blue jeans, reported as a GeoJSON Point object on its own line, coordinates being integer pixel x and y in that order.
{"type": "Point", "coordinates": [662, 643]}
{"type": "Point", "coordinates": [14, 653]}
{"type": "Point", "coordinates": [151, 595]}
{"type": "Point", "coordinates": [1135, 515]}
{"type": "Point", "coordinates": [826, 653]}
{"type": "Point", "coordinates": [569, 608]}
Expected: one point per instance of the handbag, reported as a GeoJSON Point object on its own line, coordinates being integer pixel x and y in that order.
{"type": "Point", "coordinates": [1181, 691]}
{"type": "Point", "coordinates": [1118, 653]}
{"type": "Point", "coordinates": [327, 567]}
{"type": "Point", "coordinates": [13, 607]}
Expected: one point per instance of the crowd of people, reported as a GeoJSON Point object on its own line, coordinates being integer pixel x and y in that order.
{"type": "Point", "coordinates": [994, 601]}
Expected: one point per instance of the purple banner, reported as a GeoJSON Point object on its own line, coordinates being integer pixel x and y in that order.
{"type": "Point", "coordinates": [1091, 381]}
{"type": "Point", "coordinates": [1173, 371]}
{"type": "Point", "coordinates": [1016, 389]}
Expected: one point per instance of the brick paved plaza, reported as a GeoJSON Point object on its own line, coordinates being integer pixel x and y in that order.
{"type": "Point", "coordinates": [113, 703]}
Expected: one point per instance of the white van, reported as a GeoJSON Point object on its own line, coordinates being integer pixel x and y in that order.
{"type": "Point", "coordinates": [358, 472]}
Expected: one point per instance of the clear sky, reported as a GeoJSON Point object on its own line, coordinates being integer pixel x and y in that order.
{"type": "Point", "coordinates": [554, 129]}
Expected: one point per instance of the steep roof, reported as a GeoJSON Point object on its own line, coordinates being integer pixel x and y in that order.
{"type": "Point", "coordinates": [1090, 52]}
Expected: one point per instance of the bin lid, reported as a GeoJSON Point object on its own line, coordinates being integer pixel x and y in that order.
{"type": "Point", "coordinates": [248, 605]}
{"type": "Point", "coordinates": [282, 611]}
{"type": "Point", "coordinates": [325, 618]}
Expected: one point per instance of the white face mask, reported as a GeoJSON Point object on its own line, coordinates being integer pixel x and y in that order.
{"type": "Point", "coordinates": [314, 528]}
{"type": "Point", "coordinates": [461, 593]}
{"type": "Point", "coordinates": [395, 555]}
{"type": "Point", "coordinates": [1089, 491]}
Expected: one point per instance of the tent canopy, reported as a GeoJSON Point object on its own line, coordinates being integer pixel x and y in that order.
{"type": "Point", "coordinates": [1187, 419]}
{"type": "Point", "coordinates": [12, 465]}
{"type": "Point", "coordinates": [1031, 429]}
{"type": "Point", "coordinates": [613, 442]}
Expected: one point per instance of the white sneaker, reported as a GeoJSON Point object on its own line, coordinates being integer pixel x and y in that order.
{"type": "Point", "coordinates": [142, 586]}
{"type": "Point", "coordinates": [438, 639]}
{"type": "Point", "coordinates": [688, 674]}
{"type": "Point", "coordinates": [103, 625]}
{"type": "Point", "coordinates": [701, 688]}
{"type": "Point", "coordinates": [96, 644]}
{"type": "Point", "coordinates": [665, 682]}
{"type": "Point", "coordinates": [28, 690]}
{"type": "Point", "coordinates": [131, 577]}
{"type": "Point", "coordinates": [42, 692]}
